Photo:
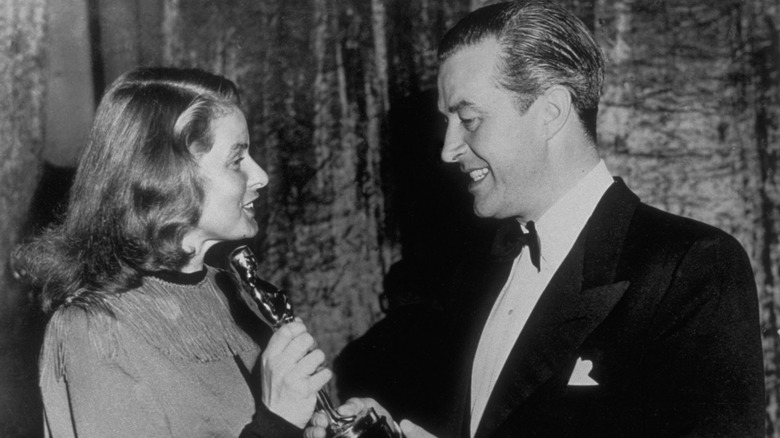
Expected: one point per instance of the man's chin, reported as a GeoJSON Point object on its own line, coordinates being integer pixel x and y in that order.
{"type": "Point", "coordinates": [482, 211]}
{"type": "Point", "coordinates": [487, 211]}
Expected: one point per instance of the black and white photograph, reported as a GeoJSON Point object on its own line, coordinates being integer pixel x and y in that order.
{"type": "Point", "coordinates": [389, 218]}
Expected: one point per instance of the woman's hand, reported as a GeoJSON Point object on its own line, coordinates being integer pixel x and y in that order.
{"type": "Point", "coordinates": [290, 373]}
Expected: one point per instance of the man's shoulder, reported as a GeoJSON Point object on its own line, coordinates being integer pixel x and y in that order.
{"type": "Point", "coordinates": [655, 231]}
{"type": "Point", "coordinates": [620, 206]}
{"type": "Point", "coordinates": [660, 224]}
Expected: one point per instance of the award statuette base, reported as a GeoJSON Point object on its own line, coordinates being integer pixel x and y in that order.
{"type": "Point", "coordinates": [367, 425]}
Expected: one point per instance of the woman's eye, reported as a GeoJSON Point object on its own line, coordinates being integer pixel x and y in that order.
{"type": "Point", "coordinates": [237, 162]}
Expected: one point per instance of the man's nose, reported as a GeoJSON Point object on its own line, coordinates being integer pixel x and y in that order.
{"type": "Point", "coordinates": [454, 145]}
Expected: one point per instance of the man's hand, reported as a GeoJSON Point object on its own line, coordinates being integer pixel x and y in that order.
{"type": "Point", "coordinates": [354, 406]}
{"type": "Point", "coordinates": [317, 427]}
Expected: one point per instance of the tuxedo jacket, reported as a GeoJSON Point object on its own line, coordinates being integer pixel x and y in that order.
{"type": "Point", "coordinates": [663, 307]}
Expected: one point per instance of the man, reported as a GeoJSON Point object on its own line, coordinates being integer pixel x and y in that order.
{"type": "Point", "coordinates": [615, 319]}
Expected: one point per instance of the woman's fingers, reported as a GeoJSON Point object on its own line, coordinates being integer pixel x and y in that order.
{"type": "Point", "coordinates": [310, 363]}
{"type": "Point", "coordinates": [282, 337]}
{"type": "Point", "coordinates": [306, 374]}
{"type": "Point", "coordinates": [290, 345]}
{"type": "Point", "coordinates": [319, 379]}
{"type": "Point", "coordinates": [292, 373]}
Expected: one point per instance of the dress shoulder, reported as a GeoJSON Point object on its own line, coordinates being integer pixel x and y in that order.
{"type": "Point", "coordinates": [74, 331]}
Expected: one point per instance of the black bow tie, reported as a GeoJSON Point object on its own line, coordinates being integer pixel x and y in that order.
{"type": "Point", "coordinates": [511, 239]}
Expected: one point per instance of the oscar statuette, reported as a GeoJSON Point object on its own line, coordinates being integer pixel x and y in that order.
{"type": "Point", "coordinates": [275, 309]}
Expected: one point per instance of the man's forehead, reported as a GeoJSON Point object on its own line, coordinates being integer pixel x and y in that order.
{"type": "Point", "coordinates": [467, 74]}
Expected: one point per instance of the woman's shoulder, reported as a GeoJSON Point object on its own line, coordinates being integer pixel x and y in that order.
{"type": "Point", "coordinates": [78, 324]}
{"type": "Point", "coordinates": [74, 332]}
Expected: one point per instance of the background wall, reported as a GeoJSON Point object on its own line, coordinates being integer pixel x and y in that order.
{"type": "Point", "coordinates": [340, 100]}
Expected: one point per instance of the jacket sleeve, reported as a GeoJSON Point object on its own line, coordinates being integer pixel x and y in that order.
{"type": "Point", "coordinates": [705, 348]}
{"type": "Point", "coordinates": [86, 393]}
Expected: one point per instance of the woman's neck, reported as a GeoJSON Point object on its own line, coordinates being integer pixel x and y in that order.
{"type": "Point", "coordinates": [194, 265]}
{"type": "Point", "coordinates": [196, 246]}
{"type": "Point", "coordinates": [182, 278]}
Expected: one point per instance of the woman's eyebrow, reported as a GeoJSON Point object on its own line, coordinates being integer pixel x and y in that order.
{"type": "Point", "coordinates": [235, 150]}
{"type": "Point", "coordinates": [239, 147]}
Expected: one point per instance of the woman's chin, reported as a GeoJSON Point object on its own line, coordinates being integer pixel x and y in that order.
{"type": "Point", "coordinates": [250, 230]}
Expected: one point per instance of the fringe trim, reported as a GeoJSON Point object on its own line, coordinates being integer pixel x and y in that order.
{"type": "Point", "coordinates": [98, 324]}
{"type": "Point", "coordinates": [185, 322]}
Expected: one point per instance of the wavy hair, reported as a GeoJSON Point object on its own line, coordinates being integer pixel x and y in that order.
{"type": "Point", "coordinates": [543, 45]}
{"type": "Point", "coordinates": [136, 191]}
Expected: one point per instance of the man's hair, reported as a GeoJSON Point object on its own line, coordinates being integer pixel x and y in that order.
{"type": "Point", "coordinates": [542, 45]}
{"type": "Point", "coordinates": [137, 189]}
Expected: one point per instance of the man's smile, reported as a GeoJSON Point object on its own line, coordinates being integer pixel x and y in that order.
{"type": "Point", "coordinates": [478, 174]}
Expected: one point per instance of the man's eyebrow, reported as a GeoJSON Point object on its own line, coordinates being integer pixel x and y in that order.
{"type": "Point", "coordinates": [460, 105]}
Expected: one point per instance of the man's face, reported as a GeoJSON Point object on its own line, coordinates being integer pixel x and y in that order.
{"type": "Point", "coordinates": [503, 151]}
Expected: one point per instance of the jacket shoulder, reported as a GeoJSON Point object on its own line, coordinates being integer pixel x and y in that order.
{"type": "Point", "coordinates": [658, 229]}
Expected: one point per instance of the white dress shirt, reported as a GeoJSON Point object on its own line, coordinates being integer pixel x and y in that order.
{"type": "Point", "coordinates": [558, 228]}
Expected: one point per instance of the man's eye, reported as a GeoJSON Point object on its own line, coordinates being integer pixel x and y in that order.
{"type": "Point", "coordinates": [237, 162]}
{"type": "Point", "coordinates": [469, 124]}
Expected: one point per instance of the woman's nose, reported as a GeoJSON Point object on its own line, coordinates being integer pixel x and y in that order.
{"type": "Point", "coordinates": [258, 178]}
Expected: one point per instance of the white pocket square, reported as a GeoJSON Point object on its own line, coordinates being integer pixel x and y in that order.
{"type": "Point", "coordinates": [580, 377]}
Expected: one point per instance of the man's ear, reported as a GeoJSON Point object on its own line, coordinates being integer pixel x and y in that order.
{"type": "Point", "coordinates": [557, 110]}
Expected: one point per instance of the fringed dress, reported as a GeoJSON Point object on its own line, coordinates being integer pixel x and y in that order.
{"type": "Point", "coordinates": [167, 359]}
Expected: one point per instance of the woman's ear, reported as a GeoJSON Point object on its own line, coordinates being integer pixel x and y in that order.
{"type": "Point", "coordinates": [557, 109]}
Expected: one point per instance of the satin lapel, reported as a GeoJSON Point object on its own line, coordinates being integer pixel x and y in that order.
{"type": "Point", "coordinates": [606, 232]}
{"type": "Point", "coordinates": [580, 295]}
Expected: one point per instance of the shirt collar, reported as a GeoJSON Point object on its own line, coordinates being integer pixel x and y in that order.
{"type": "Point", "coordinates": [560, 225]}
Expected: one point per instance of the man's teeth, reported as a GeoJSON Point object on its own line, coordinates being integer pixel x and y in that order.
{"type": "Point", "coordinates": [478, 174]}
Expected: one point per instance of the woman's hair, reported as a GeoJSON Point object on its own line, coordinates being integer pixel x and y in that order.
{"type": "Point", "coordinates": [543, 45]}
{"type": "Point", "coordinates": [136, 191]}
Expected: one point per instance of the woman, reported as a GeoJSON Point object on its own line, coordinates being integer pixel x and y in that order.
{"type": "Point", "coordinates": [143, 339]}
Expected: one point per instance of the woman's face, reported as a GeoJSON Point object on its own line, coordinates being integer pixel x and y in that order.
{"type": "Point", "coordinates": [231, 179]}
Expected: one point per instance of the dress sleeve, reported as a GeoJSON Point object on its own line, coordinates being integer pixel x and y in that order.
{"type": "Point", "coordinates": [266, 424]}
{"type": "Point", "coordinates": [89, 389]}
